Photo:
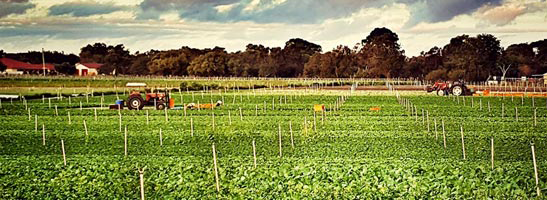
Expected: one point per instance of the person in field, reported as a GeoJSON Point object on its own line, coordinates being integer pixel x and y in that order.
{"type": "Point", "coordinates": [203, 106]}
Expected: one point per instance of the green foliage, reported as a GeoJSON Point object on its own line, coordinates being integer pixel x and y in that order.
{"type": "Point", "coordinates": [66, 68]}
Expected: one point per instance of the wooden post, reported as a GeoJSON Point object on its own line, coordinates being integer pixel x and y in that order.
{"type": "Point", "coordinates": [63, 150]}
{"type": "Point", "coordinates": [256, 110]}
{"type": "Point", "coordinates": [535, 169]}
{"type": "Point", "coordinates": [147, 118]}
{"type": "Point", "coordinates": [161, 138]}
{"type": "Point", "coordinates": [444, 134]}
{"type": "Point", "coordinates": [192, 127]}
{"type": "Point", "coordinates": [43, 135]}
{"type": "Point", "coordinates": [69, 121]}
{"type": "Point", "coordinates": [141, 178]}
{"type": "Point", "coordinates": [95, 111]}
{"type": "Point", "coordinates": [49, 102]}
{"type": "Point", "coordinates": [125, 141]}
{"type": "Point", "coordinates": [254, 153]}
{"type": "Point", "coordinates": [480, 104]}
{"type": "Point", "coordinates": [492, 150]}
{"type": "Point", "coordinates": [463, 143]}
{"type": "Point", "coordinates": [56, 111]}
{"type": "Point", "coordinates": [29, 117]}
{"type": "Point", "coordinates": [216, 168]}
{"type": "Point", "coordinates": [280, 148]}
{"type": "Point", "coordinates": [290, 129]}
{"type": "Point", "coordinates": [85, 127]}
{"type": "Point", "coordinates": [489, 109]}
{"type": "Point", "coordinates": [81, 108]}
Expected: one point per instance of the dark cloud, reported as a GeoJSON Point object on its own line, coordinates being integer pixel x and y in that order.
{"type": "Point", "coordinates": [84, 9]}
{"type": "Point", "coordinates": [8, 7]}
{"type": "Point", "coordinates": [304, 11]}
{"type": "Point", "coordinates": [444, 10]}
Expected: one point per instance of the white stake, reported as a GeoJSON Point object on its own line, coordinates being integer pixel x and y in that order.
{"type": "Point", "coordinates": [192, 127]}
{"type": "Point", "coordinates": [147, 118]}
{"type": "Point", "coordinates": [161, 138]}
{"type": "Point", "coordinates": [444, 134]}
{"type": "Point", "coordinates": [85, 127]}
{"type": "Point", "coordinates": [436, 133]}
{"type": "Point", "coordinates": [229, 117]}
{"type": "Point", "coordinates": [43, 135]}
{"type": "Point", "coordinates": [35, 123]}
{"type": "Point", "coordinates": [290, 129]}
{"type": "Point", "coordinates": [56, 111]}
{"type": "Point", "coordinates": [463, 143]}
{"type": "Point", "coordinates": [166, 116]}
{"type": "Point", "coordinates": [535, 169]}
{"type": "Point", "coordinates": [213, 116]}
{"type": "Point", "coordinates": [95, 111]}
{"type": "Point", "coordinates": [254, 153]}
{"type": "Point", "coordinates": [120, 121]}
{"type": "Point", "coordinates": [63, 149]}
{"type": "Point", "coordinates": [240, 114]}
{"type": "Point", "coordinates": [141, 177]}
{"type": "Point", "coordinates": [492, 150]}
{"type": "Point", "coordinates": [216, 168]}
{"type": "Point", "coordinates": [280, 148]}
{"type": "Point", "coordinates": [535, 117]}
{"type": "Point", "coordinates": [516, 114]}
{"type": "Point", "coordinates": [81, 108]}
{"type": "Point", "coordinates": [69, 121]}
{"type": "Point", "coordinates": [125, 141]}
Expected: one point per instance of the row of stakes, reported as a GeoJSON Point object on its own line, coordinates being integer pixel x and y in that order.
{"type": "Point", "coordinates": [410, 107]}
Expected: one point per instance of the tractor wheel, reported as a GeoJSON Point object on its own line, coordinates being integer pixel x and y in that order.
{"type": "Point", "coordinates": [160, 106]}
{"type": "Point", "coordinates": [457, 90]}
{"type": "Point", "coordinates": [440, 93]}
{"type": "Point", "coordinates": [135, 103]}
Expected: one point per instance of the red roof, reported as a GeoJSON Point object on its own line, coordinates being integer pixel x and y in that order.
{"type": "Point", "coordinates": [92, 65]}
{"type": "Point", "coordinates": [14, 64]}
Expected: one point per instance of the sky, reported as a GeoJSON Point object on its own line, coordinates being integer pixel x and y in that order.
{"type": "Point", "coordinates": [141, 25]}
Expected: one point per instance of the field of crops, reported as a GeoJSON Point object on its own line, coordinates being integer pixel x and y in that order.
{"type": "Point", "coordinates": [410, 148]}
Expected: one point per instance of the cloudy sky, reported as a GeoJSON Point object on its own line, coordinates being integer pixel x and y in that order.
{"type": "Point", "coordinates": [141, 25]}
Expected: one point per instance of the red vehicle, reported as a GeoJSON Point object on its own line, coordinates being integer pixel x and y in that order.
{"type": "Point", "coordinates": [159, 99]}
{"type": "Point", "coordinates": [445, 88]}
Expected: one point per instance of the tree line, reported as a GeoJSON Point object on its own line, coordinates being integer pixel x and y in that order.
{"type": "Point", "coordinates": [378, 55]}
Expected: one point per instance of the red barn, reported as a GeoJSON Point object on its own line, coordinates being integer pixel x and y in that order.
{"type": "Point", "coordinates": [18, 67]}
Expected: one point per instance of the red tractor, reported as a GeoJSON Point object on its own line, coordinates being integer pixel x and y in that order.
{"type": "Point", "coordinates": [456, 88]}
{"type": "Point", "coordinates": [160, 99]}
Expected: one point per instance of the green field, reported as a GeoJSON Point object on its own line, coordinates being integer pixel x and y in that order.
{"type": "Point", "coordinates": [347, 152]}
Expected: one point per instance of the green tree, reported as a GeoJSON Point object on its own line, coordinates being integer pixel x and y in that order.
{"type": "Point", "coordinates": [65, 68]}
{"type": "Point", "coordinates": [214, 63]}
{"type": "Point", "coordinates": [381, 54]}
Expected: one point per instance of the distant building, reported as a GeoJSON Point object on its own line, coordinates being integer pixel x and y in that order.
{"type": "Point", "coordinates": [88, 69]}
{"type": "Point", "coordinates": [18, 67]}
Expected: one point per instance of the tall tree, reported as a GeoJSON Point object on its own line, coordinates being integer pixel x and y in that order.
{"type": "Point", "coordinates": [381, 54]}
{"type": "Point", "coordinates": [296, 54]}
{"type": "Point", "coordinates": [214, 63]}
{"type": "Point", "coordinates": [472, 58]}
